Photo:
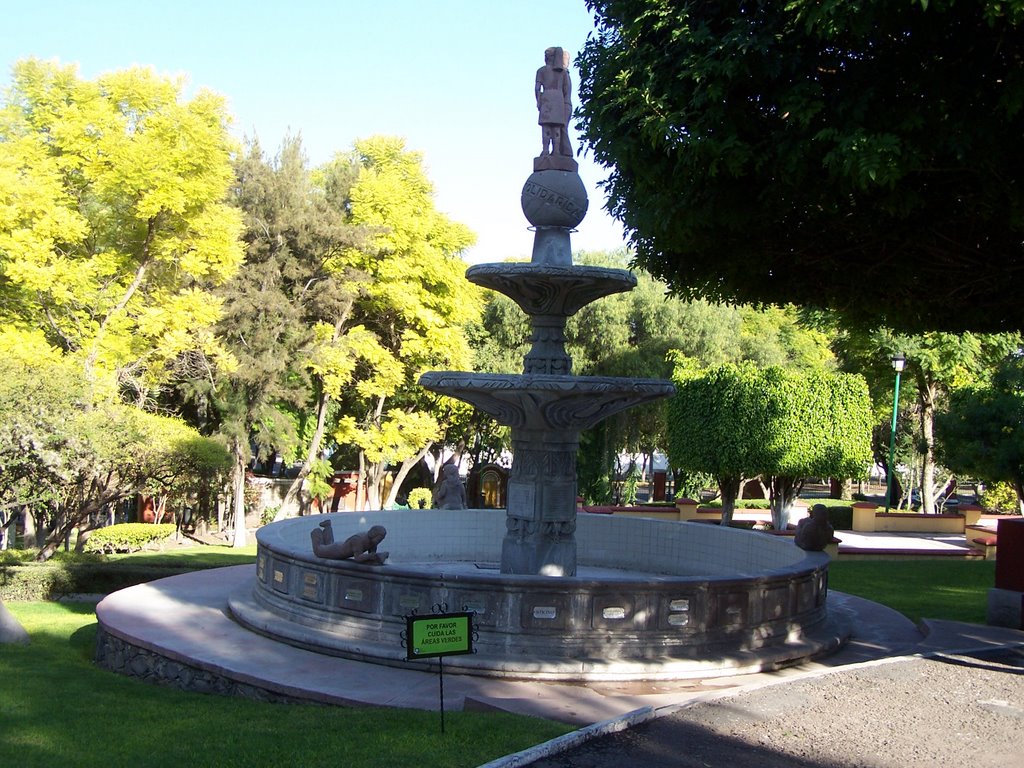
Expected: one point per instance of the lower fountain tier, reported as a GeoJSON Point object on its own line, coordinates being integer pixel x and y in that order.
{"type": "Point", "coordinates": [654, 599]}
{"type": "Point", "coordinates": [546, 402]}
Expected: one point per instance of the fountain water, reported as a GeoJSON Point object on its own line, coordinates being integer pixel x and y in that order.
{"type": "Point", "coordinates": [616, 599]}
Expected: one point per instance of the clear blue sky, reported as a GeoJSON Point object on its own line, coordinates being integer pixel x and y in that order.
{"type": "Point", "coordinates": [452, 77]}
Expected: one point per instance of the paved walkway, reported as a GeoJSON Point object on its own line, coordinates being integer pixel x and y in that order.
{"type": "Point", "coordinates": [923, 543]}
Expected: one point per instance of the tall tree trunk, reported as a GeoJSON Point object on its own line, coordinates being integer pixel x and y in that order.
{"type": "Point", "coordinates": [729, 487]}
{"type": "Point", "coordinates": [840, 488]}
{"type": "Point", "coordinates": [238, 499]}
{"type": "Point", "coordinates": [373, 476]}
{"type": "Point", "coordinates": [400, 476]}
{"type": "Point", "coordinates": [361, 486]}
{"type": "Point", "coordinates": [293, 496]}
{"type": "Point", "coordinates": [927, 393]}
{"type": "Point", "coordinates": [30, 538]}
{"type": "Point", "coordinates": [784, 491]}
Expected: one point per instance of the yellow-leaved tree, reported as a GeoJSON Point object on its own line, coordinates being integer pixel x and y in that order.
{"type": "Point", "coordinates": [113, 224]}
{"type": "Point", "coordinates": [414, 309]}
{"type": "Point", "coordinates": [113, 231]}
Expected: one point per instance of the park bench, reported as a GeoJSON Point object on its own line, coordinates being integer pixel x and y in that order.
{"type": "Point", "coordinates": [983, 539]}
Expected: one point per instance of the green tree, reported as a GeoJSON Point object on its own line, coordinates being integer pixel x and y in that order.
{"type": "Point", "coordinates": [711, 425]}
{"type": "Point", "coordinates": [982, 433]}
{"type": "Point", "coordinates": [635, 334]}
{"type": "Point", "coordinates": [113, 225]}
{"type": "Point", "coordinates": [416, 307]}
{"type": "Point", "coordinates": [766, 152]}
{"type": "Point", "coordinates": [40, 394]}
{"type": "Point", "coordinates": [736, 421]}
{"type": "Point", "coordinates": [935, 363]}
{"type": "Point", "coordinates": [287, 318]}
{"type": "Point", "coordinates": [62, 451]}
{"type": "Point", "coordinates": [812, 424]}
{"type": "Point", "coordinates": [113, 233]}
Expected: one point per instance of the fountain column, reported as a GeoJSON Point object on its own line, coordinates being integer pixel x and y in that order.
{"type": "Point", "coordinates": [541, 518]}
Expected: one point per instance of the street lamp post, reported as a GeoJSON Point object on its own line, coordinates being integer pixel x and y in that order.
{"type": "Point", "coordinates": [898, 363]}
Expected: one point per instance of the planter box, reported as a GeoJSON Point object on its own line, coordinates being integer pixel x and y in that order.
{"type": "Point", "coordinates": [867, 520]}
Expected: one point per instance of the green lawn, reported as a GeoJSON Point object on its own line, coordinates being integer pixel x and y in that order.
{"type": "Point", "coordinates": [58, 709]}
{"type": "Point", "coordinates": [934, 589]}
{"type": "Point", "coordinates": [191, 557]}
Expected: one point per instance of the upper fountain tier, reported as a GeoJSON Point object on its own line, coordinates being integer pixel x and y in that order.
{"type": "Point", "coordinates": [544, 289]}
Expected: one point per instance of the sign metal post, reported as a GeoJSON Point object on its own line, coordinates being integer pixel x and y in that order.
{"type": "Point", "coordinates": [436, 636]}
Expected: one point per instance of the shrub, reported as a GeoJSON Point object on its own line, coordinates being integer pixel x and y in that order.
{"type": "Point", "coordinates": [1000, 497]}
{"type": "Point", "coordinates": [127, 537]}
{"type": "Point", "coordinates": [269, 513]}
{"type": "Point", "coordinates": [420, 498]}
{"type": "Point", "coordinates": [56, 578]}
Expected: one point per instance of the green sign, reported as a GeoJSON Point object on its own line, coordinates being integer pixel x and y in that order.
{"type": "Point", "coordinates": [443, 634]}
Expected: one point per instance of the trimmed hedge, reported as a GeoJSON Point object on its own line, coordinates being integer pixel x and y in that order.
{"type": "Point", "coordinates": [54, 579]}
{"type": "Point", "coordinates": [127, 537]}
{"type": "Point", "coordinates": [841, 518]}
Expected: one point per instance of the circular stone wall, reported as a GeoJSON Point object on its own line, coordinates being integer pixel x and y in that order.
{"type": "Point", "coordinates": [653, 599]}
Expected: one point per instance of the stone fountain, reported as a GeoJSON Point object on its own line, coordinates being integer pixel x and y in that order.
{"type": "Point", "coordinates": [554, 597]}
{"type": "Point", "coordinates": [546, 406]}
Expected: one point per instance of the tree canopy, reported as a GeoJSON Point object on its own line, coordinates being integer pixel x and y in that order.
{"type": "Point", "coordinates": [982, 433]}
{"type": "Point", "coordinates": [113, 224]}
{"type": "Point", "coordinates": [863, 157]}
{"type": "Point", "coordinates": [114, 231]}
{"type": "Point", "coordinates": [736, 421]}
{"type": "Point", "coordinates": [936, 363]}
{"type": "Point", "coordinates": [416, 306]}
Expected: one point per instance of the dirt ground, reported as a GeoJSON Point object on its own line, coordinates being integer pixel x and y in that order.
{"type": "Point", "coordinates": [964, 710]}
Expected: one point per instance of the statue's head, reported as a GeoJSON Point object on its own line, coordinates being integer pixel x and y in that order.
{"type": "Point", "coordinates": [556, 57]}
{"type": "Point", "coordinates": [377, 533]}
{"type": "Point", "coordinates": [450, 471]}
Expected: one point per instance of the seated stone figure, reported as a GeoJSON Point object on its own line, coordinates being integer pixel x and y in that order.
{"type": "Point", "coordinates": [359, 547]}
{"type": "Point", "coordinates": [814, 533]}
{"type": "Point", "coordinates": [449, 493]}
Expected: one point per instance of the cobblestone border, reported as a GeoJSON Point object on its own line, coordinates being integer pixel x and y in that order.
{"type": "Point", "coordinates": [124, 658]}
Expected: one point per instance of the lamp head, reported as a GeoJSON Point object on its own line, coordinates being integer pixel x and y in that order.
{"type": "Point", "coordinates": [899, 362]}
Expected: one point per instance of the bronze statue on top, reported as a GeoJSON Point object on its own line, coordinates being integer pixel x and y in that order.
{"type": "Point", "coordinates": [553, 91]}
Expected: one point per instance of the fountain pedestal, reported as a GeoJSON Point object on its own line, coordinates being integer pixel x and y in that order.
{"type": "Point", "coordinates": [540, 535]}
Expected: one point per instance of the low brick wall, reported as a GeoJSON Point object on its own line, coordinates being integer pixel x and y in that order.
{"type": "Point", "coordinates": [651, 512]}
{"type": "Point", "coordinates": [127, 658]}
{"type": "Point", "coordinates": [866, 519]}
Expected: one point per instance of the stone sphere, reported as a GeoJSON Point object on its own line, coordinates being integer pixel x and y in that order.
{"type": "Point", "coordinates": [554, 199]}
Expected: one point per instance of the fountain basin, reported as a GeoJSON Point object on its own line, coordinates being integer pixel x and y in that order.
{"type": "Point", "coordinates": [651, 600]}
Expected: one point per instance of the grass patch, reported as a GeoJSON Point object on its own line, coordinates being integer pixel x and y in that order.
{"type": "Point", "coordinates": [59, 709]}
{"type": "Point", "coordinates": [194, 558]}
{"type": "Point", "coordinates": [953, 590]}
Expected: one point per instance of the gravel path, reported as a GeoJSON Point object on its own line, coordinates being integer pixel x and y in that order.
{"type": "Point", "coordinates": [965, 710]}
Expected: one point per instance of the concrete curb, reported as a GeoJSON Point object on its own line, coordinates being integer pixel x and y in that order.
{"type": "Point", "coordinates": [574, 739]}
